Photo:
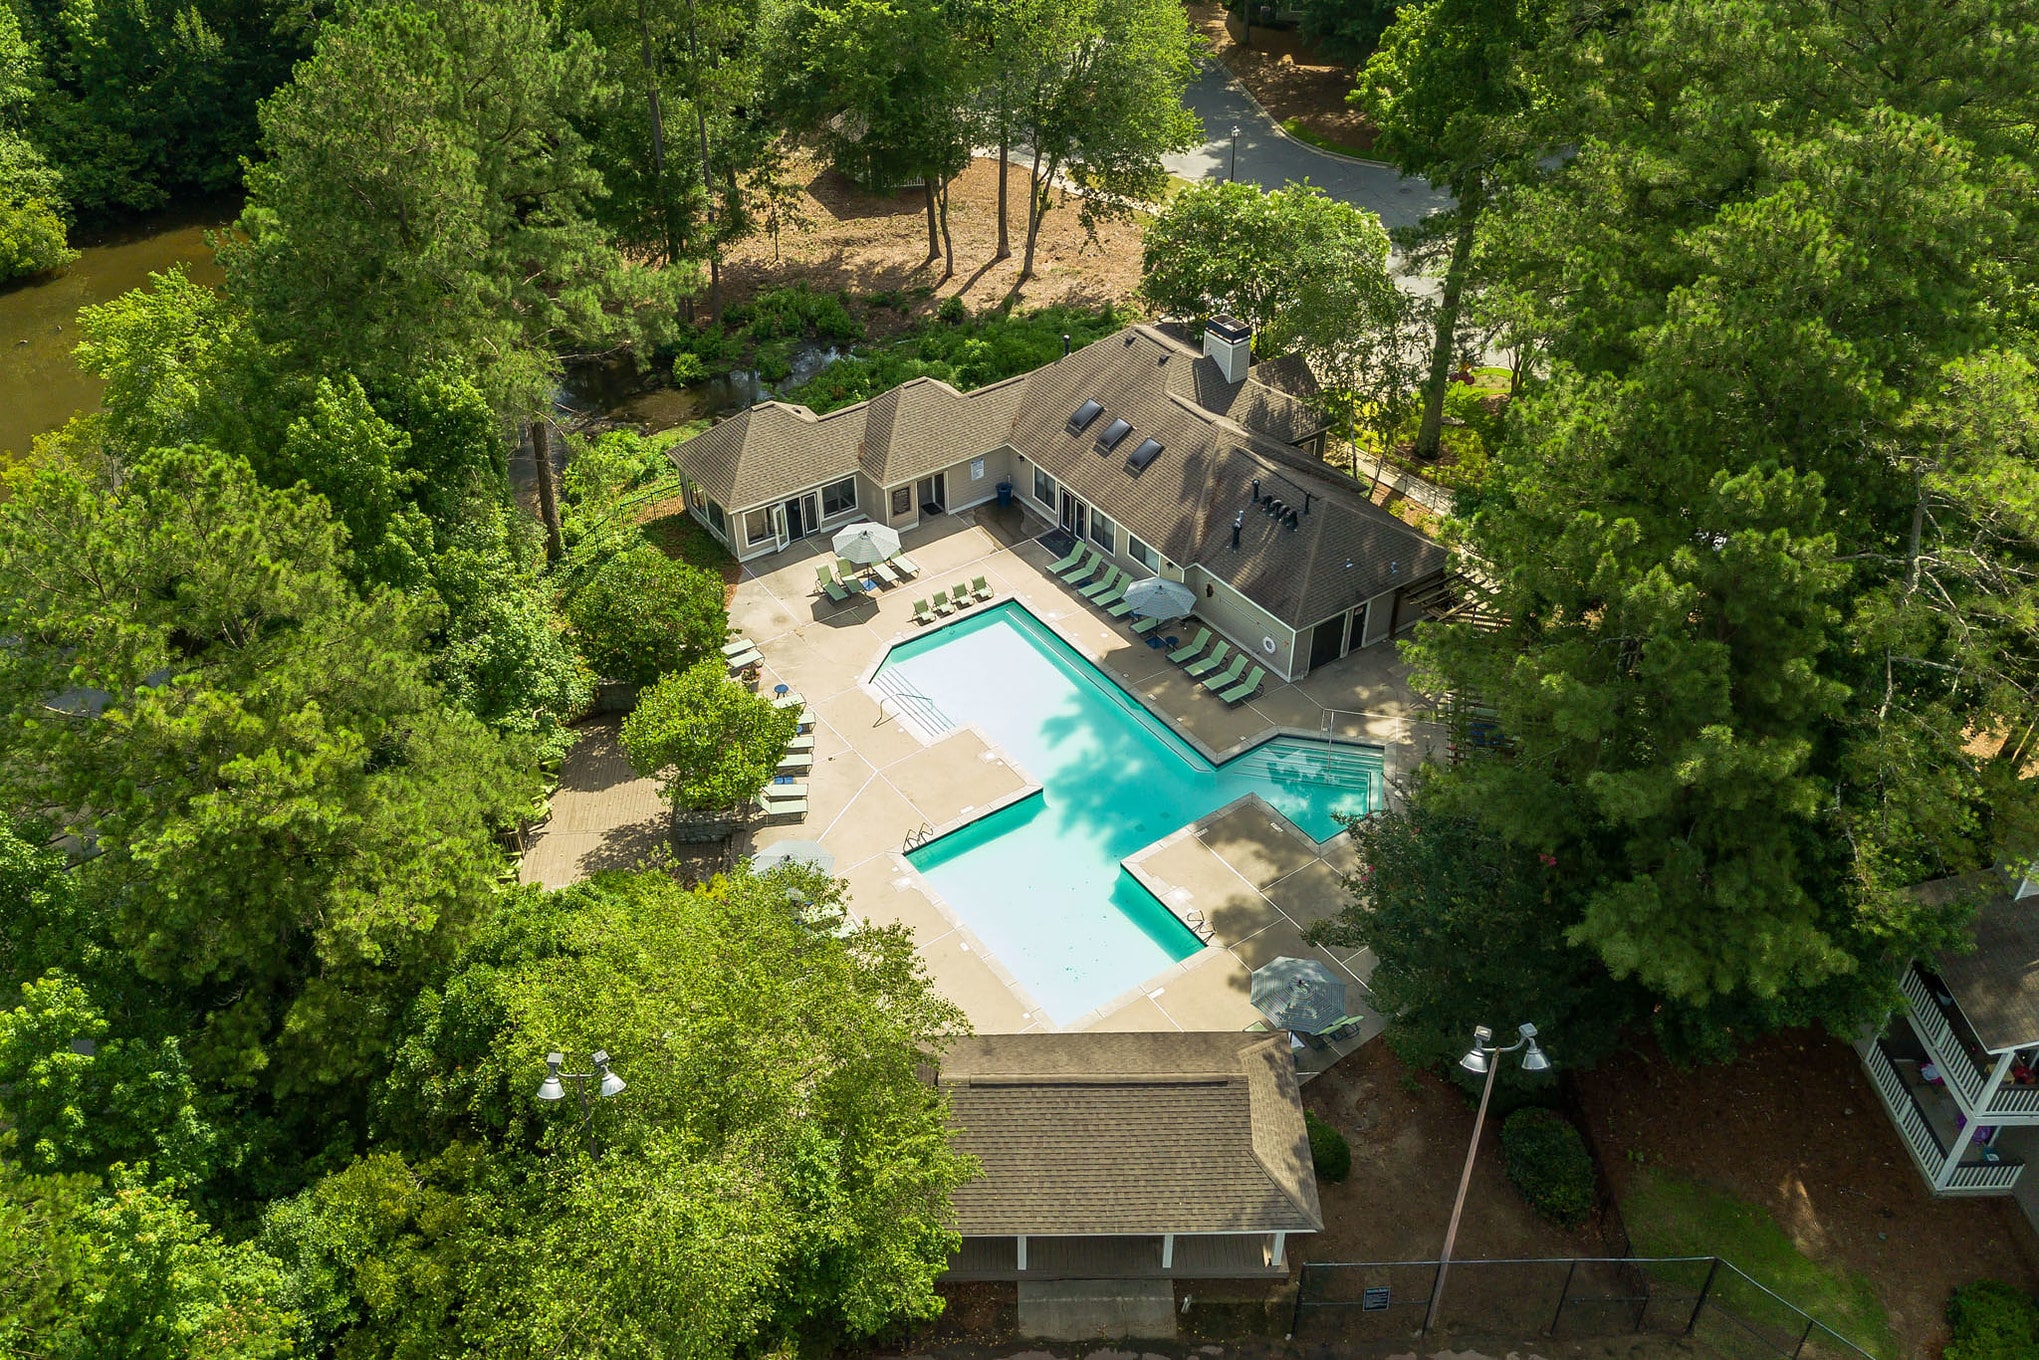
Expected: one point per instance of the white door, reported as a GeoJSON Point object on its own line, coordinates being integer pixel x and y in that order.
{"type": "Point", "coordinates": [779, 524]}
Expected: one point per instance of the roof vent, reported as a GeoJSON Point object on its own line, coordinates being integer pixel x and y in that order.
{"type": "Point", "coordinates": [1084, 414]}
{"type": "Point", "coordinates": [1114, 435]}
{"type": "Point", "coordinates": [1138, 459]}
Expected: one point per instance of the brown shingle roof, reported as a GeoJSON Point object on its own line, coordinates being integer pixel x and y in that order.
{"type": "Point", "coordinates": [924, 425]}
{"type": "Point", "coordinates": [771, 451]}
{"type": "Point", "coordinates": [1996, 985]}
{"type": "Point", "coordinates": [1092, 1133]}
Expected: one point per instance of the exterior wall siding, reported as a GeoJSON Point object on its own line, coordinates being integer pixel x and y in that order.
{"type": "Point", "coordinates": [1244, 623]}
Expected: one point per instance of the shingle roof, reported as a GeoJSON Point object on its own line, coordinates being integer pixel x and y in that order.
{"type": "Point", "coordinates": [1997, 985]}
{"type": "Point", "coordinates": [772, 450]}
{"type": "Point", "coordinates": [1345, 550]}
{"type": "Point", "coordinates": [1091, 1133]}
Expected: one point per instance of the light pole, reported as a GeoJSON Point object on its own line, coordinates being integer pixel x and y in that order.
{"type": "Point", "coordinates": [1232, 172]}
{"type": "Point", "coordinates": [1482, 1057]}
{"type": "Point", "coordinates": [609, 1084]}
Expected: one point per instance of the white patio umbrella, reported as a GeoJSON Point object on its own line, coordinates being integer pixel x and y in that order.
{"type": "Point", "coordinates": [792, 852]}
{"type": "Point", "coordinates": [866, 543]}
{"type": "Point", "coordinates": [1155, 598]}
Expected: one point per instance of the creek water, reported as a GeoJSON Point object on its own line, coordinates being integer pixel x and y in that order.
{"type": "Point", "coordinates": [41, 385]}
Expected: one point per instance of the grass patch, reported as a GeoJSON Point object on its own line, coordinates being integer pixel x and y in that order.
{"type": "Point", "coordinates": [1668, 1216]}
{"type": "Point", "coordinates": [1294, 128]}
{"type": "Point", "coordinates": [678, 536]}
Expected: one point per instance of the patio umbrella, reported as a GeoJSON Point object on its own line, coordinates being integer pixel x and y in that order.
{"type": "Point", "coordinates": [1155, 598]}
{"type": "Point", "coordinates": [1299, 994]}
{"type": "Point", "coordinates": [866, 543]}
{"type": "Point", "coordinates": [792, 852]}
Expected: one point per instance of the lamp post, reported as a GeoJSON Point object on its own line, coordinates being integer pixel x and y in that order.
{"type": "Point", "coordinates": [1482, 1057]}
{"type": "Point", "coordinates": [607, 1084]}
{"type": "Point", "coordinates": [1232, 171]}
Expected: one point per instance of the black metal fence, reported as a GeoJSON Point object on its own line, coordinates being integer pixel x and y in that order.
{"type": "Point", "coordinates": [1699, 1296]}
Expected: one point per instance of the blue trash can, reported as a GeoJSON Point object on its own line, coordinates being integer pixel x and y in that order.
{"type": "Point", "coordinates": [1004, 495]}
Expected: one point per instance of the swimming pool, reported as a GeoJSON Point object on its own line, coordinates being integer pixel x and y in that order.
{"type": "Point", "coordinates": [1040, 881]}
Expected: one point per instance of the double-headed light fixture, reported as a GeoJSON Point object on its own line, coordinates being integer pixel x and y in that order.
{"type": "Point", "coordinates": [607, 1084]}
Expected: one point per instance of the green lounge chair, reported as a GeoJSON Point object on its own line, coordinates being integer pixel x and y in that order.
{"type": "Point", "coordinates": [1118, 608]}
{"type": "Point", "coordinates": [792, 788]}
{"type": "Point", "coordinates": [1087, 568]}
{"type": "Point", "coordinates": [801, 743]}
{"type": "Point", "coordinates": [1075, 556]}
{"type": "Point", "coordinates": [979, 588]}
{"type": "Point", "coordinates": [959, 595]}
{"type": "Point", "coordinates": [941, 602]}
{"type": "Point", "coordinates": [1116, 593]}
{"type": "Point", "coordinates": [782, 807]}
{"type": "Point", "coordinates": [827, 583]}
{"type": "Point", "coordinates": [738, 647]}
{"type": "Point", "coordinates": [1246, 688]}
{"type": "Point", "coordinates": [743, 661]}
{"type": "Point", "coordinates": [787, 700]}
{"type": "Point", "coordinates": [906, 564]}
{"type": "Point", "coordinates": [1195, 645]}
{"type": "Point", "coordinates": [921, 613]}
{"type": "Point", "coordinates": [1229, 676]}
{"type": "Point", "coordinates": [1142, 627]}
{"type": "Point", "coordinates": [884, 572]}
{"type": "Point", "coordinates": [848, 573]}
{"type": "Point", "coordinates": [796, 762]}
{"type": "Point", "coordinates": [1102, 586]}
{"type": "Point", "coordinates": [1197, 670]}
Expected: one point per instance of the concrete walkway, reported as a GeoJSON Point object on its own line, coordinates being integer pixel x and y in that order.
{"type": "Point", "coordinates": [1272, 159]}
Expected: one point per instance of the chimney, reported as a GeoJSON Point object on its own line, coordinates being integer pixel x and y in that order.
{"type": "Point", "coordinates": [1229, 340]}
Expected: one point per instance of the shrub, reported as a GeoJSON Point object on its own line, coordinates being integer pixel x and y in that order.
{"type": "Point", "coordinates": [951, 310]}
{"type": "Point", "coordinates": [31, 239]}
{"type": "Point", "coordinates": [795, 311]}
{"type": "Point", "coordinates": [642, 615]}
{"type": "Point", "coordinates": [1330, 1154]}
{"type": "Point", "coordinates": [1992, 1320]}
{"type": "Point", "coordinates": [965, 354]}
{"type": "Point", "coordinates": [688, 368]}
{"type": "Point", "coordinates": [1548, 1161]}
{"type": "Point", "coordinates": [715, 742]}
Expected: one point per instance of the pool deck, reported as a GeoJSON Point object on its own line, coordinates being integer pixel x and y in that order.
{"type": "Point", "coordinates": [875, 784]}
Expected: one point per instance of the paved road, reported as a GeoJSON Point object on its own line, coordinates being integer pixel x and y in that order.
{"type": "Point", "coordinates": [1271, 159]}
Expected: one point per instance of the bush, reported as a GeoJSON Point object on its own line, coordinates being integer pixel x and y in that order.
{"type": "Point", "coordinates": [793, 312]}
{"type": "Point", "coordinates": [31, 239]}
{"type": "Point", "coordinates": [715, 742]}
{"type": "Point", "coordinates": [642, 615]}
{"type": "Point", "coordinates": [1548, 1161]}
{"type": "Point", "coordinates": [965, 353]}
{"type": "Point", "coordinates": [951, 310]}
{"type": "Point", "coordinates": [1330, 1154]}
{"type": "Point", "coordinates": [1992, 1321]}
{"type": "Point", "coordinates": [688, 368]}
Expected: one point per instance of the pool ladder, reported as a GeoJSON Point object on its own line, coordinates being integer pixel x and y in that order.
{"type": "Point", "coordinates": [919, 836]}
{"type": "Point", "coordinates": [913, 708]}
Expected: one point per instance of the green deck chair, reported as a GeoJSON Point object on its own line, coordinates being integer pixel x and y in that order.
{"type": "Point", "coordinates": [959, 595]}
{"type": "Point", "coordinates": [826, 582]}
{"type": "Point", "coordinates": [1190, 649]}
{"type": "Point", "coordinates": [1087, 568]}
{"type": "Point", "coordinates": [1075, 556]}
{"type": "Point", "coordinates": [1197, 670]}
{"type": "Point", "coordinates": [921, 613]}
{"type": "Point", "coordinates": [1228, 677]}
{"type": "Point", "coordinates": [1246, 688]}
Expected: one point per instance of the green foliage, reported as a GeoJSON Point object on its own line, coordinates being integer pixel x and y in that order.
{"type": "Point", "coordinates": [983, 349]}
{"type": "Point", "coordinates": [1460, 925]}
{"type": "Point", "coordinates": [952, 310]}
{"type": "Point", "coordinates": [775, 1170]}
{"type": "Point", "coordinates": [32, 207]}
{"type": "Point", "coordinates": [642, 615]}
{"type": "Point", "coordinates": [425, 201]}
{"type": "Point", "coordinates": [294, 832]}
{"type": "Point", "coordinates": [1347, 28]}
{"type": "Point", "coordinates": [793, 311]}
{"type": "Point", "coordinates": [1330, 1154]}
{"type": "Point", "coordinates": [1548, 1162]}
{"type": "Point", "coordinates": [128, 1272]}
{"type": "Point", "coordinates": [714, 742]}
{"type": "Point", "coordinates": [1992, 1320]}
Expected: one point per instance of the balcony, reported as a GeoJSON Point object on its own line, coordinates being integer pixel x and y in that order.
{"type": "Point", "coordinates": [1929, 1120]}
{"type": "Point", "coordinates": [1961, 1060]}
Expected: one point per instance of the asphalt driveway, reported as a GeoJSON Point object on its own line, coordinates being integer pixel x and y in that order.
{"type": "Point", "coordinates": [1271, 159]}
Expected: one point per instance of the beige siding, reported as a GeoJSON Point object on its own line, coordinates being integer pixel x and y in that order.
{"type": "Point", "coordinates": [1244, 623]}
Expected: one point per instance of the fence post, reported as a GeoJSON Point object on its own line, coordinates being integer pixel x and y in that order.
{"type": "Point", "coordinates": [1705, 1292]}
{"type": "Point", "coordinates": [1563, 1294]}
{"type": "Point", "coordinates": [1296, 1317]}
{"type": "Point", "coordinates": [1803, 1336]}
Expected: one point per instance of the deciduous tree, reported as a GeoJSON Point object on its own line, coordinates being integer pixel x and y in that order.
{"type": "Point", "coordinates": [713, 743]}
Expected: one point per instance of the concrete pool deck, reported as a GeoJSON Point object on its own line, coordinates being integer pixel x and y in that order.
{"type": "Point", "coordinates": [875, 784]}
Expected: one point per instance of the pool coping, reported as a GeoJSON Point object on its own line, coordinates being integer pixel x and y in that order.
{"type": "Point", "coordinates": [1155, 983]}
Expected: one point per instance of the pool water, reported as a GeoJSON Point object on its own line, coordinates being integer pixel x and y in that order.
{"type": "Point", "coordinates": [1040, 882]}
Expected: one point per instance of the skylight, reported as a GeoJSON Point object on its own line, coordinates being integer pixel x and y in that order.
{"type": "Point", "coordinates": [1113, 435]}
{"type": "Point", "coordinates": [1137, 460]}
{"type": "Point", "coordinates": [1085, 413]}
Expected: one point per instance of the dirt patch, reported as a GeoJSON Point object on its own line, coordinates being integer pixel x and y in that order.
{"type": "Point", "coordinates": [1793, 1126]}
{"type": "Point", "coordinates": [1290, 77]}
{"type": "Point", "coordinates": [875, 246]}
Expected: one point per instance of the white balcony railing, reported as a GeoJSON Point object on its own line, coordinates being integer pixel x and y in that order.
{"type": "Point", "coordinates": [1904, 1111]}
{"type": "Point", "coordinates": [1988, 1176]}
{"type": "Point", "coordinates": [1957, 1069]}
